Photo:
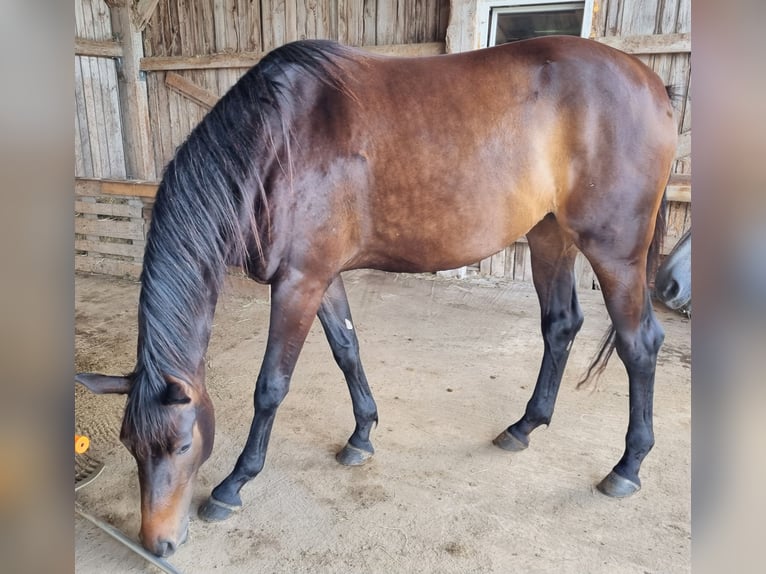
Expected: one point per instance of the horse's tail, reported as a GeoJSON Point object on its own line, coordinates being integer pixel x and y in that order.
{"type": "Point", "coordinates": [607, 345]}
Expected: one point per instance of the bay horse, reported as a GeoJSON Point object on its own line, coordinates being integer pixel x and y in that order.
{"type": "Point", "coordinates": [324, 158]}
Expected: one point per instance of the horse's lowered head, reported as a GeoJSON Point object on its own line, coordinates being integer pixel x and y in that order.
{"type": "Point", "coordinates": [170, 434]}
{"type": "Point", "coordinates": [673, 284]}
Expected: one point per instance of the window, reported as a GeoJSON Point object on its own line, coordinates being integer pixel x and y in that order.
{"type": "Point", "coordinates": [502, 21]}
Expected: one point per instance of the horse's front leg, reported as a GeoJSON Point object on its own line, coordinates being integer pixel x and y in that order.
{"type": "Point", "coordinates": [335, 315]}
{"type": "Point", "coordinates": [294, 304]}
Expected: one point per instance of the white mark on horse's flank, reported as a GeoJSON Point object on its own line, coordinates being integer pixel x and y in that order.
{"type": "Point", "coordinates": [349, 326]}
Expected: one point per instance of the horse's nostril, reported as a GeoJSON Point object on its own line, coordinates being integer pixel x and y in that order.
{"type": "Point", "coordinates": [165, 548]}
{"type": "Point", "coordinates": [671, 290]}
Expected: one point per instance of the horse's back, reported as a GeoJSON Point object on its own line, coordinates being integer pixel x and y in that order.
{"type": "Point", "coordinates": [450, 158]}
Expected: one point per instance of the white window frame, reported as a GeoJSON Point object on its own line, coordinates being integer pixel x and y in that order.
{"type": "Point", "coordinates": [485, 17]}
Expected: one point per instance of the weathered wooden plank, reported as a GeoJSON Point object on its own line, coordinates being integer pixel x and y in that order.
{"type": "Point", "coordinates": [106, 266]}
{"type": "Point", "coordinates": [189, 89]}
{"type": "Point", "coordinates": [409, 50]}
{"type": "Point", "coordinates": [110, 248]}
{"type": "Point", "coordinates": [130, 188]}
{"type": "Point", "coordinates": [291, 21]}
{"type": "Point", "coordinates": [385, 22]}
{"type": "Point", "coordinates": [82, 133]}
{"type": "Point", "coordinates": [497, 264]}
{"type": "Point", "coordinates": [461, 33]}
{"type": "Point", "coordinates": [201, 62]}
{"type": "Point", "coordinates": [684, 145]}
{"type": "Point", "coordinates": [109, 228]}
{"type": "Point", "coordinates": [485, 266]}
{"type": "Point", "coordinates": [522, 268]}
{"type": "Point", "coordinates": [369, 16]}
{"type": "Point", "coordinates": [97, 48]}
{"type": "Point", "coordinates": [249, 59]}
{"type": "Point", "coordinates": [649, 43]}
{"type": "Point", "coordinates": [109, 209]}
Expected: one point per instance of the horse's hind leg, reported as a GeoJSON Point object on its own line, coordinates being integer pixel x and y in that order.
{"type": "Point", "coordinates": [295, 301]}
{"type": "Point", "coordinates": [553, 255]}
{"type": "Point", "coordinates": [638, 338]}
{"type": "Point", "coordinates": [335, 315]}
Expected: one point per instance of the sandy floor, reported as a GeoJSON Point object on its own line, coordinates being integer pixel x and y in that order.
{"type": "Point", "coordinates": [451, 363]}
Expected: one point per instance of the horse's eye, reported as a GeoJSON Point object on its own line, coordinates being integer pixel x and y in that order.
{"type": "Point", "coordinates": [184, 449]}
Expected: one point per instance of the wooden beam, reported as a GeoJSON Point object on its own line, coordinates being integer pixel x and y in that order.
{"type": "Point", "coordinates": [461, 30]}
{"type": "Point", "coordinates": [249, 59]}
{"type": "Point", "coordinates": [97, 48]}
{"type": "Point", "coordinates": [206, 62]}
{"type": "Point", "coordinates": [408, 50]}
{"type": "Point", "coordinates": [679, 188]}
{"type": "Point", "coordinates": [130, 188]}
{"type": "Point", "coordinates": [189, 89]}
{"type": "Point", "coordinates": [650, 43]}
{"type": "Point", "coordinates": [134, 100]}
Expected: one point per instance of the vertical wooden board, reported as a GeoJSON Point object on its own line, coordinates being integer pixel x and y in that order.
{"type": "Point", "coordinates": [485, 266]}
{"type": "Point", "coordinates": [444, 15]}
{"type": "Point", "coordinates": [369, 17]}
{"type": "Point", "coordinates": [343, 32]}
{"type": "Point", "coordinates": [94, 113]}
{"type": "Point", "coordinates": [279, 22]}
{"type": "Point", "coordinates": [385, 22]}
{"type": "Point", "coordinates": [639, 17]}
{"type": "Point", "coordinates": [613, 17]}
{"type": "Point", "coordinates": [101, 97]}
{"type": "Point", "coordinates": [267, 25]}
{"type": "Point", "coordinates": [249, 12]}
{"type": "Point", "coordinates": [522, 267]}
{"type": "Point", "coordinates": [329, 18]}
{"type": "Point", "coordinates": [302, 18]}
{"type": "Point", "coordinates": [114, 124]}
{"type": "Point", "coordinates": [79, 166]}
{"type": "Point", "coordinates": [82, 134]}
{"type": "Point", "coordinates": [291, 20]}
{"type": "Point", "coordinates": [510, 261]}
{"type": "Point", "coordinates": [78, 19]}
{"type": "Point", "coordinates": [354, 22]}
{"type": "Point", "coordinates": [401, 26]}
{"type": "Point", "coordinates": [598, 19]}
{"type": "Point", "coordinates": [165, 111]}
{"type": "Point", "coordinates": [497, 264]}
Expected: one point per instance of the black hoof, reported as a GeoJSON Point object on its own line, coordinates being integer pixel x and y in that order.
{"type": "Point", "coordinates": [353, 456]}
{"type": "Point", "coordinates": [617, 486]}
{"type": "Point", "coordinates": [215, 511]}
{"type": "Point", "coordinates": [507, 441]}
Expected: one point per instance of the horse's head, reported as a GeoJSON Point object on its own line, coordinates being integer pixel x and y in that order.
{"type": "Point", "coordinates": [170, 435]}
{"type": "Point", "coordinates": [673, 284]}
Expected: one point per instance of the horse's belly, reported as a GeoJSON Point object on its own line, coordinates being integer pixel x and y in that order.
{"type": "Point", "coordinates": [445, 234]}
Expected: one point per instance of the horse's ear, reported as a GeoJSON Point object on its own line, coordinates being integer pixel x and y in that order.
{"type": "Point", "coordinates": [176, 392]}
{"type": "Point", "coordinates": [104, 384]}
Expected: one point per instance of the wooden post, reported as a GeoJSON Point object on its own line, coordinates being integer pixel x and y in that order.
{"type": "Point", "coordinates": [134, 101]}
{"type": "Point", "coordinates": [461, 31]}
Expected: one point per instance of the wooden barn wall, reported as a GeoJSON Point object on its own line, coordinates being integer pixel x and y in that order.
{"type": "Point", "coordinates": [190, 52]}
{"type": "Point", "coordinates": [205, 27]}
{"type": "Point", "coordinates": [98, 130]}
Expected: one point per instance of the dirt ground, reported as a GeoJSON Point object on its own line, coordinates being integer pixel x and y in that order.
{"type": "Point", "coordinates": [451, 363]}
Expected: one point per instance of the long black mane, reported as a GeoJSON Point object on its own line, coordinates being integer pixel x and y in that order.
{"type": "Point", "coordinates": [212, 203]}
